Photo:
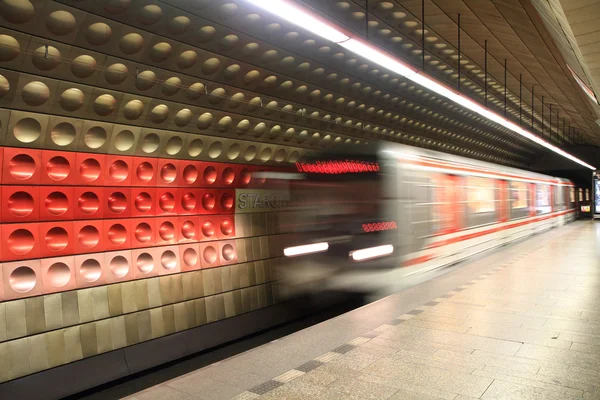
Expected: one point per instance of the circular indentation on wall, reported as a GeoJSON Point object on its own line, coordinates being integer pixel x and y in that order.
{"type": "Point", "coordinates": [250, 49]}
{"type": "Point", "coordinates": [195, 147]}
{"type": "Point", "coordinates": [119, 267]}
{"type": "Point", "coordinates": [171, 86]}
{"type": "Point", "coordinates": [209, 254]}
{"type": "Point", "coordinates": [204, 121]}
{"type": "Point", "coordinates": [245, 176]}
{"type": "Point", "coordinates": [195, 91]}
{"type": "Point", "coordinates": [150, 143]}
{"type": "Point", "coordinates": [168, 173]}
{"type": "Point", "coordinates": [217, 96]}
{"type": "Point", "coordinates": [205, 34]}
{"type": "Point", "coordinates": [131, 43]}
{"type": "Point", "coordinates": [143, 202]}
{"type": "Point", "coordinates": [229, 42]}
{"type": "Point", "coordinates": [4, 85]}
{"type": "Point", "coordinates": [60, 22]}
{"type": "Point", "coordinates": [104, 105]}
{"type": "Point", "coordinates": [90, 270]}
{"type": "Point", "coordinates": [116, 6]}
{"type": "Point", "coordinates": [90, 170]}
{"type": "Point", "coordinates": [188, 229]}
{"type": "Point", "coordinates": [190, 174]}
{"type": "Point", "coordinates": [72, 99]}
{"type": "Point", "coordinates": [183, 117]}
{"type": "Point", "coordinates": [21, 241]}
{"type": "Point", "coordinates": [259, 129]}
{"type": "Point", "coordinates": [178, 25]}
{"type": "Point", "coordinates": [150, 14]}
{"type": "Point", "coordinates": [190, 257]}
{"type": "Point", "coordinates": [98, 34]}
{"type": "Point", "coordinates": [215, 149]}
{"type": "Point", "coordinates": [226, 227]}
{"type": "Point", "coordinates": [95, 137]}
{"type": "Point", "coordinates": [275, 132]}
{"type": "Point", "coordinates": [231, 71]}
{"type": "Point", "coordinates": [242, 127]}
{"type": "Point", "coordinates": [166, 231]}
{"type": "Point", "coordinates": [145, 80]}
{"type": "Point", "coordinates": [234, 151]}
{"type": "Point", "coordinates": [88, 236]}
{"type": "Point", "coordinates": [22, 279]}
{"type": "Point", "coordinates": [226, 201]}
{"type": "Point", "coordinates": [210, 175]}
{"type": "Point", "coordinates": [46, 58]}
{"type": "Point", "coordinates": [56, 203]}
{"type": "Point", "coordinates": [124, 140]}
{"type": "Point", "coordinates": [280, 155]}
{"type": "Point", "coordinates": [144, 172]}
{"type": "Point", "coordinates": [167, 202]}
{"type": "Point", "coordinates": [63, 134]}
{"type": "Point", "coordinates": [159, 114]}
{"type": "Point", "coordinates": [145, 263]}
{"type": "Point", "coordinates": [174, 145]}
{"type": "Point", "coordinates": [228, 10]}
{"type": "Point", "coordinates": [224, 123]}
{"type": "Point", "coordinates": [133, 109]}
{"type": "Point", "coordinates": [187, 59]}
{"type": "Point", "coordinates": [118, 170]}
{"type": "Point", "coordinates": [117, 202]}
{"type": "Point", "coordinates": [251, 77]}
{"type": "Point", "coordinates": [294, 156]}
{"type": "Point", "coordinates": [21, 167]}
{"type": "Point", "coordinates": [236, 100]}
{"type": "Point", "coordinates": [188, 202]}
{"type": "Point", "coordinates": [58, 168]}
{"type": "Point", "coordinates": [228, 252]}
{"type": "Point", "coordinates": [35, 93]}
{"type": "Point", "coordinates": [17, 11]}
{"type": "Point", "coordinates": [57, 239]}
{"type": "Point", "coordinates": [143, 232]}
{"type": "Point", "coordinates": [59, 275]}
{"type": "Point", "coordinates": [208, 228]}
{"type": "Point", "coordinates": [228, 176]}
{"type": "Point", "coordinates": [168, 260]}
{"type": "Point", "coordinates": [88, 203]}
{"type": "Point", "coordinates": [20, 204]}
{"type": "Point", "coordinates": [117, 234]}
{"type": "Point", "coordinates": [160, 51]}
{"type": "Point", "coordinates": [250, 153]}
{"type": "Point", "coordinates": [208, 201]}
{"type": "Point", "coordinates": [9, 48]}
{"type": "Point", "coordinates": [116, 74]}
{"type": "Point", "coordinates": [27, 130]}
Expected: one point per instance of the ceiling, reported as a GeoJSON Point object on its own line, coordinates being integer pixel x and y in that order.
{"type": "Point", "coordinates": [266, 80]}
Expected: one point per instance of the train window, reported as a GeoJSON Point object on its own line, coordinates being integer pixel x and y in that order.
{"type": "Point", "coordinates": [481, 195]}
{"type": "Point", "coordinates": [580, 194]}
{"type": "Point", "coordinates": [518, 195]}
{"type": "Point", "coordinates": [543, 199]}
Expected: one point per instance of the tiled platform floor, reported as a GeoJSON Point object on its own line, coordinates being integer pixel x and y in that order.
{"type": "Point", "coordinates": [520, 323]}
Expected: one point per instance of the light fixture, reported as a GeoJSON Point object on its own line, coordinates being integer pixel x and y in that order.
{"type": "Point", "coordinates": [306, 19]}
{"type": "Point", "coordinates": [372, 252]}
{"type": "Point", "coordinates": [305, 249]}
{"type": "Point", "coordinates": [297, 15]}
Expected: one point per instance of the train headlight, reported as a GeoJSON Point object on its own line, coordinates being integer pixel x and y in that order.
{"type": "Point", "coordinates": [372, 252]}
{"type": "Point", "coordinates": [305, 249]}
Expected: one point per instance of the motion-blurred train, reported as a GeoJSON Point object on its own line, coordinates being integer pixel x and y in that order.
{"type": "Point", "coordinates": [363, 219]}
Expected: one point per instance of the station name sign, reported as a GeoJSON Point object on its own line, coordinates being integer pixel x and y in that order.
{"type": "Point", "coordinates": [259, 200]}
{"type": "Point", "coordinates": [338, 167]}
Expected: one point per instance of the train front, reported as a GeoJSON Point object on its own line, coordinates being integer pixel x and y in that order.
{"type": "Point", "coordinates": [341, 222]}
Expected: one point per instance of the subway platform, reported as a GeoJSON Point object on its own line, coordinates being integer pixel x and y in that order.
{"type": "Point", "coordinates": [522, 322]}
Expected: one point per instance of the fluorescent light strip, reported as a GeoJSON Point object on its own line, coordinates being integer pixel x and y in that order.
{"type": "Point", "coordinates": [303, 18]}
{"type": "Point", "coordinates": [372, 252]}
{"type": "Point", "coordinates": [305, 249]}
